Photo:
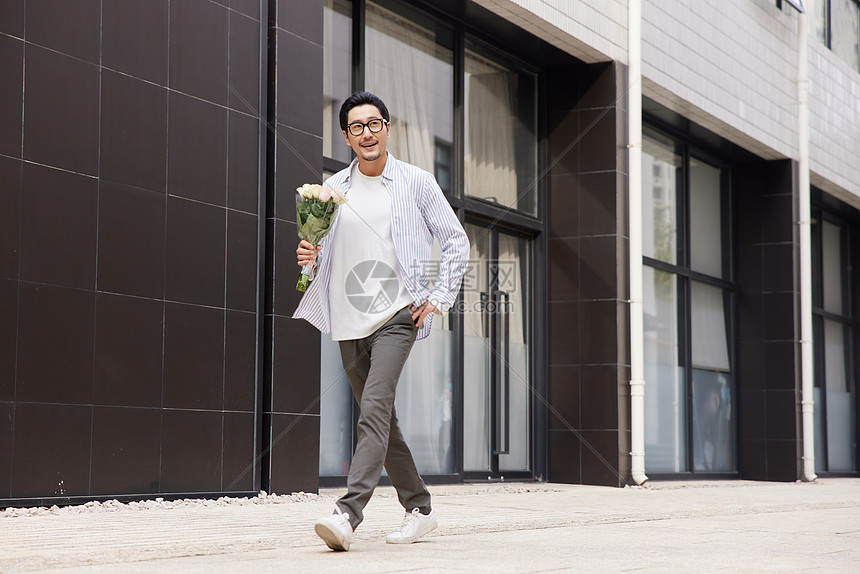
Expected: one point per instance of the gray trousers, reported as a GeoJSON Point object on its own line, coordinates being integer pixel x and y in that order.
{"type": "Point", "coordinates": [373, 367]}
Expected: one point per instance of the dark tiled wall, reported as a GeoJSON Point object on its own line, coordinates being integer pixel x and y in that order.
{"type": "Point", "coordinates": [587, 245]}
{"type": "Point", "coordinates": [129, 162]}
{"type": "Point", "coordinates": [768, 328]}
{"type": "Point", "coordinates": [292, 348]}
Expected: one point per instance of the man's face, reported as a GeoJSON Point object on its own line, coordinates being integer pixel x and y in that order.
{"type": "Point", "coordinates": [367, 146]}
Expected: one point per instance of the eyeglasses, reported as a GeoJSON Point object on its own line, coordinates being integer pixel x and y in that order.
{"type": "Point", "coordinates": [357, 128]}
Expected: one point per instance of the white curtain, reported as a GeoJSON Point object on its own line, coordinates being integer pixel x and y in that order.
{"type": "Point", "coordinates": [709, 341]}
{"type": "Point", "coordinates": [490, 163]}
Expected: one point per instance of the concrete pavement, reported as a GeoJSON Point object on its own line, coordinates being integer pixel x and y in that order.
{"type": "Point", "coordinates": [662, 527]}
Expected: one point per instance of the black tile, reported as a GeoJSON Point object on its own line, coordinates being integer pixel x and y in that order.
{"type": "Point", "coordinates": [131, 240]}
{"type": "Point", "coordinates": [300, 63]}
{"type": "Point", "coordinates": [563, 333]}
{"type": "Point", "coordinates": [12, 17]}
{"type": "Point", "coordinates": [599, 332]}
{"type": "Point", "coordinates": [782, 460]}
{"type": "Point", "coordinates": [128, 351]}
{"type": "Point", "coordinates": [193, 357]}
{"type": "Point", "coordinates": [751, 323]}
{"type": "Point", "coordinates": [777, 217]}
{"type": "Point", "coordinates": [563, 84]}
{"type": "Point", "coordinates": [295, 453]}
{"type": "Point", "coordinates": [597, 203]}
{"type": "Point", "coordinates": [751, 415]}
{"type": "Point", "coordinates": [11, 93]}
{"type": "Point", "coordinates": [7, 416]}
{"type": "Point", "coordinates": [134, 38]}
{"type": "Point", "coordinates": [248, 7]}
{"type": "Point", "coordinates": [749, 220]}
{"type": "Point", "coordinates": [750, 373]}
{"type": "Point", "coordinates": [563, 457]}
{"type": "Point", "coordinates": [195, 252]}
{"type": "Point", "coordinates": [299, 161]}
{"type": "Point", "coordinates": [8, 337]}
{"type": "Point", "coordinates": [295, 365]}
{"type": "Point", "coordinates": [68, 27]}
{"type": "Point", "coordinates": [133, 132]}
{"type": "Point", "coordinates": [598, 145]}
{"type": "Point", "coordinates": [778, 314]}
{"type": "Point", "coordinates": [563, 143]}
{"type": "Point", "coordinates": [778, 267]}
{"type": "Point", "coordinates": [303, 18]}
{"type": "Point", "coordinates": [55, 345]}
{"type": "Point", "coordinates": [238, 471]}
{"type": "Point", "coordinates": [781, 365]}
{"type": "Point", "coordinates": [242, 163]}
{"type": "Point", "coordinates": [191, 451]}
{"type": "Point", "coordinates": [286, 270]}
{"type": "Point", "coordinates": [244, 87]}
{"type": "Point", "coordinates": [197, 150]}
{"type": "Point", "coordinates": [598, 267]}
{"type": "Point", "coordinates": [241, 261]}
{"type": "Point", "coordinates": [51, 451]}
{"type": "Point", "coordinates": [563, 205]}
{"type": "Point", "coordinates": [126, 451]}
{"type": "Point", "coordinates": [600, 458]}
{"type": "Point", "coordinates": [753, 459]}
{"type": "Point", "coordinates": [563, 397]}
{"type": "Point", "coordinates": [599, 391]}
{"type": "Point", "coordinates": [10, 216]}
{"type": "Point", "coordinates": [781, 418]}
{"type": "Point", "coordinates": [563, 272]}
{"type": "Point", "coordinates": [58, 227]}
{"type": "Point", "coordinates": [240, 362]}
{"type": "Point", "coordinates": [603, 89]}
{"type": "Point", "coordinates": [61, 111]}
{"type": "Point", "coordinates": [198, 49]}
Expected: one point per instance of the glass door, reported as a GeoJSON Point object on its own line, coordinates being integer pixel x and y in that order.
{"type": "Point", "coordinates": [496, 355]}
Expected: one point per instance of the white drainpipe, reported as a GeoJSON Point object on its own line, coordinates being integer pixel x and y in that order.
{"type": "Point", "coordinates": [805, 224]}
{"type": "Point", "coordinates": [634, 178]}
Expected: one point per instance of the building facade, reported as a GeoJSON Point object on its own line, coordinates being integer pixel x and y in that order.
{"type": "Point", "coordinates": [149, 153]}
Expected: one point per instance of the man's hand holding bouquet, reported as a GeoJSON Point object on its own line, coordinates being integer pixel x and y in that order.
{"type": "Point", "coordinates": [316, 207]}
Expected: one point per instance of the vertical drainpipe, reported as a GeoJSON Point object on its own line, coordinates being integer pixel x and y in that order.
{"type": "Point", "coordinates": [805, 224]}
{"type": "Point", "coordinates": [634, 178]}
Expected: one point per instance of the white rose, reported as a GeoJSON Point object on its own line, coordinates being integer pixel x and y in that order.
{"type": "Point", "coordinates": [325, 194]}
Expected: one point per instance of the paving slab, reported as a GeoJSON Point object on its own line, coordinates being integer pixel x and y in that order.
{"type": "Point", "coordinates": [662, 527]}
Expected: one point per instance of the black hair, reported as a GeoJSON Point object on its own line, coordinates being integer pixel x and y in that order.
{"type": "Point", "coordinates": [361, 99]}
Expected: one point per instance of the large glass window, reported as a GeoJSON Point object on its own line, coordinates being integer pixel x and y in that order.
{"type": "Point", "coordinates": [337, 75]}
{"type": "Point", "coordinates": [501, 133]}
{"type": "Point", "coordinates": [690, 419]}
{"type": "Point", "coordinates": [835, 438]}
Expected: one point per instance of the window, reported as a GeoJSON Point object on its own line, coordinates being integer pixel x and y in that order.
{"type": "Point", "coordinates": [837, 25]}
{"type": "Point", "coordinates": [688, 300]}
{"type": "Point", "coordinates": [834, 397]}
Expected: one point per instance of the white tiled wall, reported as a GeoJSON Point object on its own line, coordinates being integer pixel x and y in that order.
{"type": "Point", "coordinates": [730, 66]}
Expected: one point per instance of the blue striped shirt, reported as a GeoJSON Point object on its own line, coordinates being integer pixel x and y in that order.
{"type": "Point", "coordinates": [419, 212]}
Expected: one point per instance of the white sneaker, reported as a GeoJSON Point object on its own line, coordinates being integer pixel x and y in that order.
{"type": "Point", "coordinates": [415, 525]}
{"type": "Point", "coordinates": [335, 530]}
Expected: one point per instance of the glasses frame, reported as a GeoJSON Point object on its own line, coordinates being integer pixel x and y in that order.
{"type": "Point", "coordinates": [366, 125]}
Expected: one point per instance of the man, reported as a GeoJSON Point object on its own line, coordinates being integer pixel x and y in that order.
{"type": "Point", "coordinates": [371, 292]}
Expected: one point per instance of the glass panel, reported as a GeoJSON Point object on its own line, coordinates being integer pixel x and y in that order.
{"type": "Point", "coordinates": [477, 353]}
{"type": "Point", "coordinates": [845, 27]}
{"type": "Point", "coordinates": [818, 423]}
{"type": "Point", "coordinates": [710, 343]}
{"type": "Point", "coordinates": [831, 267]}
{"type": "Point", "coordinates": [665, 399]}
{"type": "Point", "coordinates": [820, 20]}
{"type": "Point", "coordinates": [414, 76]}
{"type": "Point", "coordinates": [501, 134]}
{"type": "Point", "coordinates": [706, 233]}
{"type": "Point", "coordinates": [839, 399]}
{"type": "Point", "coordinates": [513, 318]}
{"type": "Point", "coordinates": [713, 422]}
{"type": "Point", "coordinates": [335, 411]}
{"type": "Point", "coordinates": [661, 177]}
{"type": "Point", "coordinates": [337, 75]}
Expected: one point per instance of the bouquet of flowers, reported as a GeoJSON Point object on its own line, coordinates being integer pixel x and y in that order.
{"type": "Point", "coordinates": [316, 207]}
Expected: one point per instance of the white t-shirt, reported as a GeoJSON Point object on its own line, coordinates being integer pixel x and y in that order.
{"type": "Point", "coordinates": [366, 287]}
